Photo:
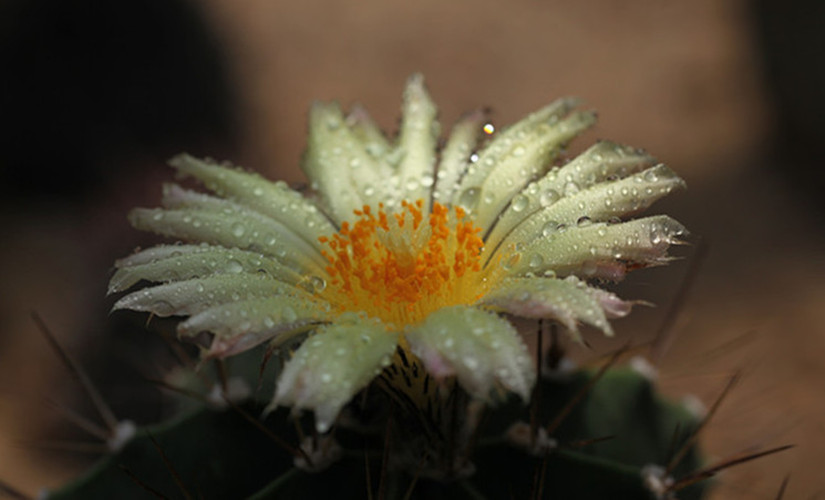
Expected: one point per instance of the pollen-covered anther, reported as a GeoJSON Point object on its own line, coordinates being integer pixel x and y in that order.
{"type": "Point", "coordinates": [399, 268]}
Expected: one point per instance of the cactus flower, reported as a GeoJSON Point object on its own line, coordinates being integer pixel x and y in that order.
{"type": "Point", "coordinates": [406, 260]}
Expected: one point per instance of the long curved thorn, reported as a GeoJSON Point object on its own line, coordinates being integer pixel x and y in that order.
{"type": "Point", "coordinates": [667, 331]}
{"type": "Point", "coordinates": [79, 374]}
{"type": "Point", "coordinates": [708, 472]}
{"type": "Point", "coordinates": [690, 441]}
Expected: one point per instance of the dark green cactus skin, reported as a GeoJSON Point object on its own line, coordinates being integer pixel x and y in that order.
{"type": "Point", "coordinates": [220, 454]}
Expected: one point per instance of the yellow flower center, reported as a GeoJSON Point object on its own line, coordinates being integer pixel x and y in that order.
{"type": "Point", "coordinates": [399, 268]}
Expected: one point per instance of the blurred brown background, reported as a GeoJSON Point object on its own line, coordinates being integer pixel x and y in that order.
{"type": "Point", "coordinates": [96, 95]}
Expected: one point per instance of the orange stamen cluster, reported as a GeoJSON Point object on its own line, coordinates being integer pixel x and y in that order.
{"type": "Point", "coordinates": [397, 268]}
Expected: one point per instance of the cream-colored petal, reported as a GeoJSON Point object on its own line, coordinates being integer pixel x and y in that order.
{"type": "Point", "coordinates": [481, 349]}
{"type": "Point", "coordinates": [239, 228]}
{"type": "Point", "coordinates": [168, 263]}
{"type": "Point", "coordinates": [456, 156]}
{"type": "Point", "coordinates": [370, 135]}
{"type": "Point", "coordinates": [177, 198]}
{"type": "Point", "coordinates": [416, 148]}
{"type": "Point", "coordinates": [330, 149]}
{"type": "Point", "coordinates": [251, 322]}
{"type": "Point", "coordinates": [189, 297]}
{"type": "Point", "coordinates": [601, 202]}
{"type": "Point", "coordinates": [527, 159]}
{"type": "Point", "coordinates": [273, 199]}
{"type": "Point", "coordinates": [515, 156]}
{"type": "Point", "coordinates": [601, 162]}
{"type": "Point", "coordinates": [334, 364]}
{"type": "Point", "coordinates": [591, 249]}
{"type": "Point", "coordinates": [569, 301]}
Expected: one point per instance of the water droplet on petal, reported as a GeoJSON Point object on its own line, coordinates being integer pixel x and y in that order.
{"type": "Point", "coordinates": [549, 197]}
{"type": "Point", "coordinates": [288, 314]}
{"type": "Point", "coordinates": [549, 228]}
{"type": "Point", "coordinates": [238, 229]}
{"type": "Point", "coordinates": [520, 202]}
{"type": "Point", "coordinates": [162, 308]}
{"type": "Point", "coordinates": [584, 221]}
{"type": "Point", "coordinates": [233, 266]}
{"type": "Point", "coordinates": [469, 198]}
{"type": "Point", "coordinates": [571, 188]}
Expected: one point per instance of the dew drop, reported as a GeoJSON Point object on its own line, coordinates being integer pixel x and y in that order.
{"type": "Point", "coordinates": [258, 191]}
{"type": "Point", "coordinates": [238, 229]}
{"type": "Point", "coordinates": [469, 198]}
{"type": "Point", "coordinates": [288, 314]}
{"type": "Point", "coordinates": [584, 221]}
{"type": "Point", "coordinates": [651, 176]}
{"type": "Point", "coordinates": [571, 188]}
{"type": "Point", "coordinates": [233, 266]}
{"type": "Point", "coordinates": [549, 228]}
{"type": "Point", "coordinates": [520, 202]}
{"type": "Point", "coordinates": [162, 308]}
{"type": "Point", "coordinates": [549, 197]}
{"type": "Point", "coordinates": [536, 260]}
{"type": "Point", "coordinates": [518, 151]}
{"type": "Point", "coordinates": [512, 261]}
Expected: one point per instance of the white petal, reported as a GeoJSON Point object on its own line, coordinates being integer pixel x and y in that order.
{"type": "Point", "coordinates": [167, 263]}
{"type": "Point", "coordinates": [275, 200]}
{"type": "Point", "coordinates": [417, 142]}
{"type": "Point", "coordinates": [455, 157]}
{"type": "Point", "coordinates": [196, 295]}
{"type": "Point", "coordinates": [369, 134]}
{"type": "Point", "coordinates": [601, 162]}
{"type": "Point", "coordinates": [236, 228]}
{"type": "Point", "coordinates": [334, 364]}
{"type": "Point", "coordinates": [526, 159]}
{"type": "Point", "coordinates": [253, 321]}
{"type": "Point", "coordinates": [515, 156]}
{"type": "Point", "coordinates": [602, 202]}
{"type": "Point", "coordinates": [330, 148]}
{"type": "Point", "coordinates": [478, 347]}
{"type": "Point", "coordinates": [569, 301]}
{"type": "Point", "coordinates": [254, 222]}
{"type": "Point", "coordinates": [593, 249]}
